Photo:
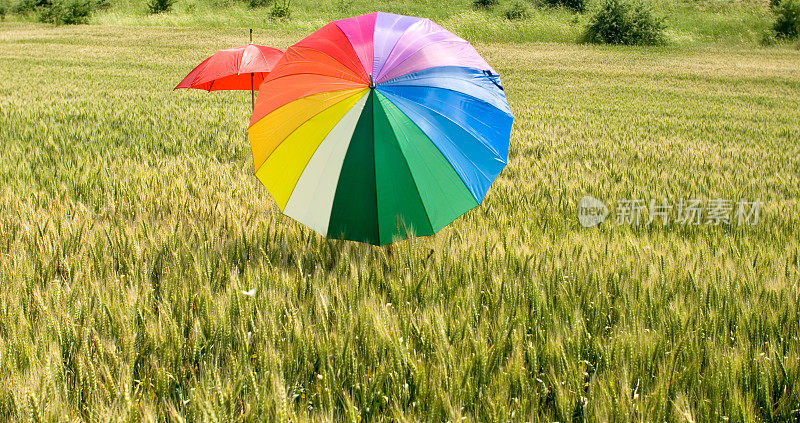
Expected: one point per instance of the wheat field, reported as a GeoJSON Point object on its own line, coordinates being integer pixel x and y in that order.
{"type": "Point", "coordinates": [131, 222]}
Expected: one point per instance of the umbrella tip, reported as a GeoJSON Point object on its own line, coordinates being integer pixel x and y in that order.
{"type": "Point", "coordinates": [251, 35]}
{"type": "Point", "coordinates": [371, 82]}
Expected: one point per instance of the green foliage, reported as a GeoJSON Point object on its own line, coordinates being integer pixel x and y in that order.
{"type": "Point", "coordinates": [160, 6]}
{"type": "Point", "coordinates": [518, 10]}
{"type": "Point", "coordinates": [573, 5]}
{"type": "Point", "coordinates": [24, 7]}
{"type": "Point", "coordinates": [259, 3]}
{"type": "Point", "coordinates": [281, 9]}
{"type": "Point", "coordinates": [787, 19]}
{"type": "Point", "coordinates": [485, 4]}
{"type": "Point", "coordinates": [68, 12]}
{"type": "Point", "coordinates": [737, 23]}
{"type": "Point", "coordinates": [619, 22]}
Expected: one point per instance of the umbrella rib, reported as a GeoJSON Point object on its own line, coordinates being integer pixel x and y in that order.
{"type": "Point", "coordinates": [334, 59]}
{"type": "Point", "coordinates": [395, 46]}
{"type": "Point", "coordinates": [477, 137]}
{"type": "Point", "coordinates": [269, 78]}
{"type": "Point", "coordinates": [405, 159]}
{"type": "Point", "coordinates": [442, 152]}
{"type": "Point", "coordinates": [298, 98]}
{"type": "Point", "coordinates": [319, 182]}
{"type": "Point", "coordinates": [414, 182]}
{"type": "Point", "coordinates": [302, 123]}
{"type": "Point", "coordinates": [451, 90]}
{"type": "Point", "coordinates": [241, 61]}
{"type": "Point", "coordinates": [386, 70]}
{"type": "Point", "coordinates": [261, 53]}
{"type": "Point", "coordinates": [352, 47]}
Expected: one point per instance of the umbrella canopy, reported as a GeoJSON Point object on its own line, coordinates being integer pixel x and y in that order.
{"type": "Point", "coordinates": [237, 68]}
{"type": "Point", "coordinates": [380, 126]}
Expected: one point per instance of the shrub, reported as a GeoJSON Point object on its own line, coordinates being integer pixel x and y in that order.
{"type": "Point", "coordinates": [573, 5]}
{"type": "Point", "coordinates": [280, 9]}
{"type": "Point", "coordinates": [518, 10]}
{"type": "Point", "coordinates": [618, 22]}
{"type": "Point", "coordinates": [787, 19]}
{"type": "Point", "coordinates": [768, 38]}
{"type": "Point", "coordinates": [23, 7]}
{"type": "Point", "coordinates": [484, 4]}
{"type": "Point", "coordinates": [259, 3]}
{"type": "Point", "coordinates": [68, 12]}
{"type": "Point", "coordinates": [160, 6]}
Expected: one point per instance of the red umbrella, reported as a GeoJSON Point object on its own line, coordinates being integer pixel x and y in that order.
{"type": "Point", "coordinates": [237, 68]}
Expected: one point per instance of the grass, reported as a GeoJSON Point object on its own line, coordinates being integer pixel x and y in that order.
{"type": "Point", "coordinates": [130, 222]}
{"type": "Point", "coordinates": [690, 23]}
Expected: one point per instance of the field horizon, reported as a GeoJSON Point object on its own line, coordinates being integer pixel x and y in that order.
{"type": "Point", "coordinates": [688, 23]}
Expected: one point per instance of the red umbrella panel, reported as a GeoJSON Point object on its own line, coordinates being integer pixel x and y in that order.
{"type": "Point", "coordinates": [237, 68]}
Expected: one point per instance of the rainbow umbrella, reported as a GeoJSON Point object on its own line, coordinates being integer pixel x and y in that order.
{"type": "Point", "coordinates": [380, 126]}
